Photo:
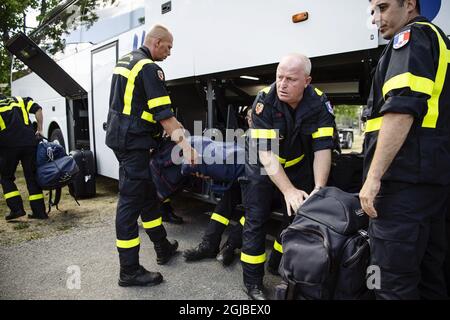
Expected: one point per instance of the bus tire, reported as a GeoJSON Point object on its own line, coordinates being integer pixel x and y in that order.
{"type": "Point", "coordinates": [57, 136]}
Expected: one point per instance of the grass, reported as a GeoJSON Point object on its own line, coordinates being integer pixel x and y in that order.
{"type": "Point", "coordinates": [21, 225]}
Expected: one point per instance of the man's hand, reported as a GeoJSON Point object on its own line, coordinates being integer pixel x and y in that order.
{"type": "Point", "coordinates": [190, 155]}
{"type": "Point", "coordinates": [294, 199]}
{"type": "Point", "coordinates": [367, 196]}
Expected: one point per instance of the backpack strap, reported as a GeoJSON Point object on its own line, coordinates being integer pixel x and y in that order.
{"type": "Point", "coordinates": [54, 202]}
{"type": "Point", "coordinates": [72, 192]}
{"type": "Point", "coordinates": [291, 290]}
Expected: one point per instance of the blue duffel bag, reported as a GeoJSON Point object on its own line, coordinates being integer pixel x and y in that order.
{"type": "Point", "coordinates": [166, 174]}
{"type": "Point", "coordinates": [47, 151]}
{"type": "Point", "coordinates": [55, 169]}
{"type": "Point", "coordinates": [224, 162]}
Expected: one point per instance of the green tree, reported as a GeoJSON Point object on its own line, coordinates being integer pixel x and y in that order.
{"type": "Point", "coordinates": [13, 17]}
{"type": "Point", "coordinates": [12, 20]}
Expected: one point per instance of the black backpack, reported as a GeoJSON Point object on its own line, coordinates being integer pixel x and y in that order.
{"type": "Point", "coordinates": [326, 249]}
{"type": "Point", "coordinates": [55, 169]}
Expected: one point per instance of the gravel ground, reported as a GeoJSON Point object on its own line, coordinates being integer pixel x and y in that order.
{"type": "Point", "coordinates": [83, 238]}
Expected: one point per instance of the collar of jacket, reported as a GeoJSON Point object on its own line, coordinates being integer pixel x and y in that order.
{"type": "Point", "coordinates": [309, 104]}
{"type": "Point", "coordinates": [146, 51]}
{"type": "Point", "coordinates": [417, 19]}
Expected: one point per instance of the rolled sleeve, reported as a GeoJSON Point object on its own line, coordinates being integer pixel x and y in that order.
{"type": "Point", "coordinates": [159, 104]}
{"type": "Point", "coordinates": [262, 133]}
{"type": "Point", "coordinates": [323, 137]}
{"type": "Point", "coordinates": [414, 106]}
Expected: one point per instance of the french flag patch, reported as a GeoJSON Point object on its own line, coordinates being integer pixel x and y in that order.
{"type": "Point", "coordinates": [402, 39]}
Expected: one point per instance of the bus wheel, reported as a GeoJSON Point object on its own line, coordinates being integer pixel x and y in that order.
{"type": "Point", "coordinates": [58, 137]}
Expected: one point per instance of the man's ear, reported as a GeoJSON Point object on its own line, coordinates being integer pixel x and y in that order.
{"type": "Point", "coordinates": [308, 80]}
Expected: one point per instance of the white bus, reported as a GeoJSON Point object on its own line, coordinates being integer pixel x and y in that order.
{"type": "Point", "coordinates": [224, 53]}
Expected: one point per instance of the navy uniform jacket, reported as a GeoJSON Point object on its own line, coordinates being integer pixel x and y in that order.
{"type": "Point", "coordinates": [16, 129]}
{"type": "Point", "coordinates": [412, 78]}
{"type": "Point", "coordinates": [298, 134]}
{"type": "Point", "coordinates": [138, 100]}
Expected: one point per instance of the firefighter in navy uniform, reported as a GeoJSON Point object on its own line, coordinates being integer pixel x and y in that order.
{"type": "Point", "coordinates": [407, 153]}
{"type": "Point", "coordinates": [140, 110]}
{"type": "Point", "coordinates": [18, 141]}
{"type": "Point", "coordinates": [220, 219]}
{"type": "Point", "coordinates": [299, 120]}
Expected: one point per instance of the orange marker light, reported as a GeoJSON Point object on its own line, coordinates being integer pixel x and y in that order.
{"type": "Point", "coordinates": [299, 17]}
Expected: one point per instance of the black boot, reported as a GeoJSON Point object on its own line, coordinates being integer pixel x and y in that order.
{"type": "Point", "coordinates": [165, 250]}
{"type": "Point", "coordinates": [33, 216]}
{"type": "Point", "coordinates": [168, 215]}
{"type": "Point", "coordinates": [14, 215]}
{"type": "Point", "coordinates": [140, 277]}
{"type": "Point", "coordinates": [255, 291]}
{"type": "Point", "coordinates": [274, 263]}
{"type": "Point", "coordinates": [226, 255]}
{"type": "Point", "coordinates": [202, 251]}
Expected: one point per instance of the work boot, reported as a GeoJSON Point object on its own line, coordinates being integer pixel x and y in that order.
{"type": "Point", "coordinates": [226, 255]}
{"type": "Point", "coordinates": [14, 215]}
{"type": "Point", "coordinates": [140, 277]}
{"type": "Point", "coordinates": [168, 215]}
{"type": "Point", "coordinates": [165, 250]}
{"type": "Point", "coordinates": [34, 216]}
{"type": "Point", "coordinates": [202, 251]}
{"type": "Point", "coordinates": [255, 291]}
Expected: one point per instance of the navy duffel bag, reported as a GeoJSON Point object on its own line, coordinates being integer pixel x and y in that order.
{"type": "Point", "coordinates": [221, 161]}
{"type": "Point", "coordinates": [166, 174]}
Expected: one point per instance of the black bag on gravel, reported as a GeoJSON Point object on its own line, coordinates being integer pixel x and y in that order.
{"type": "Point", "coordinates": [326, 249]}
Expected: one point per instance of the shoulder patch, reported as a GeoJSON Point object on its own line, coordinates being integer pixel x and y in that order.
{"type": "Point", "coordinates": [329, 107]}
{"type": "Point", "coordinates": [259, 108]}
{"type": "Point", "coordinates": [160, 75]}
{"type": "Point", "coordinates": [401, 39]}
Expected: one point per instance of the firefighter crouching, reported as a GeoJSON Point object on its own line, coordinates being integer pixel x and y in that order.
{"type": "Point", "coordinates": [407, 153]}
{"type": "Point", "coordinates": [18, 141]}
{"type": "Point", "coordinates": [140, 110]}
{"type": "Point", "coordinates": [298, 117]}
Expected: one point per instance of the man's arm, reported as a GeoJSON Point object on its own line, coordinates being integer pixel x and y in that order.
{"type": "Point", "coordinates": [393, 132]}
{"type": "Point", "coordinates": [321, 167]}
{"type": "Point", "coordinates": [176, 132]}
{"type": "Point", "coordinates": [293, 196]}
{"type": "Point", "coordinates": [39, 119]}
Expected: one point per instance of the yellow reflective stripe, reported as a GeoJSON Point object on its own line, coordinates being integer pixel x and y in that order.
{"type": "Point", "coordinates": [430, 119]}
{"type": "Point", "coordinates": [130, 84]}
{"type": "Point", "coordinates": [147, 116]}
{"type": "Point", "coordinates": [318, 91]}
{"type": "Point", "coordinates": [33, 197]}
{"type": "Point", "coordinates": [2, 123]}
{"type": "Point", "coordinates": [374, 124]}
{"type": "Point", "coordinates": [29, 105]}
{"type": "Point", "coordinates": [253, 259]}
{"type": "Point", "coordinates": [291, 163]}
{"type": "Point", "coordinates": [217, 217]}
{"type": "Point", "coordinates": [157, 102]}
{"type": "Point", "coordinates": [24, 110]}
{"type": "Point", "coordinates": [263, 134]}
{"type": "Point", "coordinates": [277, 246]}
{"type": "Point", "coordinates": [152, 224]}
{"type": "Point", "coordinates": [265, 90]}
{"type": "Point", "coordinates": [127, 244]}
{"type": "Point", "coordinates": [167, 200]}
{"type": "Point", "coordinates": [242, 221]}
{"type": "Point", "coordinates": [12, 194]}
{"type": "Point", "coordinates": [408, 80]}
{"type": "Point", "coordinates": [323, 132]}
{"type": "Point", "coordinates": [281, 160]}
{"type": "Point", "coordinates": [122, 71]}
